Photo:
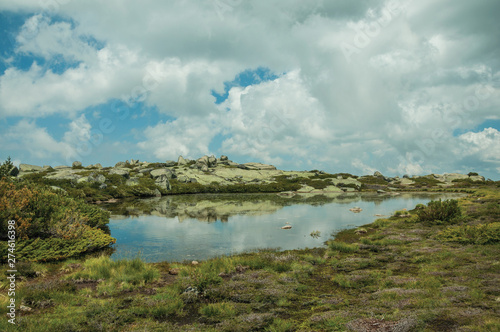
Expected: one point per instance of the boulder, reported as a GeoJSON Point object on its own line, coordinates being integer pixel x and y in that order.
{"type": "Point", "coordinates": [29, 168]}
{"type": "Point", "coordinates": [64, 175]}
{"type": "Point", "coordinates": [132, 182]}
{"type": "Point", "coordinates": [77, 164]}
{"type": "Point", "coordinates": [181, 161]}
{"type": "Point", "coordinates": [204, 168]}
{"type": "Point", "coordinates": [120, 164]}
{"type": "Point", "coordinates": [455, 176]}
{"type": "Point", "coordinates": [157, 193]}
{"type": "Point", "coordinates": [98, 166]}
{"type": "Point", "coordinates": [122, 172]}
{"type": "Point", "coordinates": [162, 171]}
{"type": "Point", "coordinates": [378, 174]}
{"type": "Point", "coordinates": [145, 170]}
{"type": "Point", "coordinates": [183, 179]}
{"type": "Point", "coordinates": [99, 178]}
{"type": "Point", "coordinates": [257, 166]}
{"type": "Point", "coordinates": [170, 163]}
{"type": "Point", "coordinates": [224, 158]}
{"type": "Point", "coordinates": [212, 161]}
{"type": "Point", "coordinates": [476, 178]}
{"type": "Point", "coordinates": [162, 182]}
{"type": "Point", "coordinates": [14, 171]}
{"type": "Point", "coordinates": [134, 162]}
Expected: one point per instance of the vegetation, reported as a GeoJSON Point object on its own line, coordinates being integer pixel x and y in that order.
{"type": "Point", "coordinates": [48, 225]}
{"type": "Point", "coordinates": [5, 168]}
{"type": "Point", "coordinates": [438, 212]}
{"type": "Point", "coordinates": [410, 272]}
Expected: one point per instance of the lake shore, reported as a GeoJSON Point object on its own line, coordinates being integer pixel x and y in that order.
{"type": "Point", "coordinates": [403, 273]}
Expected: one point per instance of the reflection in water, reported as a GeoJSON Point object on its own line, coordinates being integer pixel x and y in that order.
{"type": "Point", "coordinates": [188, 227]}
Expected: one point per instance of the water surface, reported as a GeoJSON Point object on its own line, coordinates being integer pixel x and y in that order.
{"type": "Point", "coordinates": [198, 227]}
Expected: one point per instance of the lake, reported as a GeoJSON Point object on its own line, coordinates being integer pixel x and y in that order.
{"type": "Point", "coordinates": [199, 227]}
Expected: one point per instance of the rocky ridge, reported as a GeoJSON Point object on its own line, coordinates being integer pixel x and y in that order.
{"type": "Point", "coordinates": [209, 170]}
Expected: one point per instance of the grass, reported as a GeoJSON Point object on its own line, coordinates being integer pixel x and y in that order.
{"type": "Point", "coordinates": [394, 275]}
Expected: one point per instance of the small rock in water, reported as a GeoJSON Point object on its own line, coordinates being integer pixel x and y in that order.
{"type": "Point", "coordinates": [286, 227]}
{"type": "Point", "coordinates": [194, 263]}
{"type": "Point", "coordinates": [356, 209]}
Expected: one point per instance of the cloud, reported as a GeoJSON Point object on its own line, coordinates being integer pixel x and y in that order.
{"type": "Point", "coordinates": [484, 145]}
{"type": "Point", "coordinates": [392, 105]}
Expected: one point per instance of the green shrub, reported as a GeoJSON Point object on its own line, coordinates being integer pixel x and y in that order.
{"type": "Point", "coordinates": [343, 247]}
{"type": "Point", "coordinates": [472, 234]}
{"type": "Point", "coordinates": [218, 311]}
{"type": "Point", "coordinates": [43, 250]}
{"type": "Point", "coordinates": [6, 167]}
{"type": "Point", "coordinates": [439, 212]}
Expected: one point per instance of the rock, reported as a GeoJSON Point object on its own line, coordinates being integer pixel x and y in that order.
{"type": "Point", "coordinates": [286, 227]}
{"type": "Point", "coordinates": [157, 193]}
{"type": "Point", "coordinates": [173, 271]}
{"type": "Point", "coordinates": [14, 171]}
{"type": "Point", "coordinates": [64, 175]}
{"type": "Point", "coordinates": [145, 170]}
{"type": "Point", "coordinates": [98, 166]}
{"type": "Point", "coordinates": [29, 168]}
{"type": "Point", "coordinates": [449, 177]}
{"type": "Point", "coordinates": [406, 176]}
{"type": "Point", "coordinates": [132, 182]}
{"type": "Point", "coordinates": [134, 162]}
{"type": "Point", "coordinates": [181, 161]}
{"type": "Point", "coordinates": [58, 189]}
{"type": "Point", "coordinates": [77, 164]}
{"type": "Point", "coordinates": [257, 166]}
{"type": "Point", "coordinates": [82, 180]}
{"type": "Point", "coordinates": [120, 164]}
{"type": "Point", "coordinates": [380, 191]}
{"type": "Point", "coordinates": [194, 263]}
{"type": "Point", "coordinates": [162, 171]}
{"type": "Point", "coordinates": [103, 186]}
{"type": "Point", "coordinates": [204, 168]}
{"type": "Point", "coordinates": [122, 172]}
{"type": "Point", "coordinates": [356, 209]}
{"type": "Point", "coordinates": [378, 174]}
{"type": "Point", "coordinates": [476, 178]}
{"type": "Point", "coordinates": [162, 182]}
{"type": "Point", "coordinates": [99, 178]}
{"type": "Point", "coordinates": [183, 178]}
{"type": "Point", "coordinates": [170, 163]}
{"type": "Point", "coordinates": [24, 308]}
{"type": "Point", "coordinates": [224, 158]}
{"type": "Point", "coordinates": [212, 161]}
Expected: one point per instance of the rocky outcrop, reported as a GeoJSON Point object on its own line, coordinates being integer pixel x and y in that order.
{"type": "Point", "coordinates": [77, 164]}
{"type": "Point", "coordinates": [162, 182]}
{"type": "Point", "coordinates": [120, 164]}
{"type": "Point", "coordinates": [181, 161]}
{"type": "Point", "coordinates": [257, 166]}
{"type": "Point", "coordinates": [162, 171]}
{"type": "Point", "coordinates": [120, 171]}
{"type": "Point", "coordinates": [29, 168]}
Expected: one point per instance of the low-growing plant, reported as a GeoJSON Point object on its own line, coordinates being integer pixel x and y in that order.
{"type": "Point", "coordinates": [343, 247]}
{"type": "Point", "coordinates": [440, 212]}
{"type": "Point", "coordinates": [471, 234]}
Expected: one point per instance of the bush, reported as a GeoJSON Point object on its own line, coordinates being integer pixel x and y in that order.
{"type": "Point", "coordinates": [43, 250]}
{"type": "Point", "coordinates": [343, 247]}
{"type": "Point", "coordinates": [476, 234]}
{"type": "Point", "coordinates": [5, 168]}
{"type": "Point", "coordinates": [39, 212]}
{"type": "Point", "coordinates": [439, 212]}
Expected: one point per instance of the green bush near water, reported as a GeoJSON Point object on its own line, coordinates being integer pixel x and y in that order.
{"type": "Point", "coordinates": [472, 234]}
{"type": "Point", "coordinates": [440, 212]}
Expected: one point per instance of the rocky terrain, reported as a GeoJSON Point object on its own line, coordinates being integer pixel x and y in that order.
{"type": "Point", "coordinates": [145, 179]}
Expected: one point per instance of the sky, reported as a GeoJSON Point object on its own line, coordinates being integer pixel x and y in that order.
{"type": "Point", "coordinates": [400, 86]}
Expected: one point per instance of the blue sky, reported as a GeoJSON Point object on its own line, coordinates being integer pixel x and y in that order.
{"type": "Point", "coordinates": [332, 85]}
